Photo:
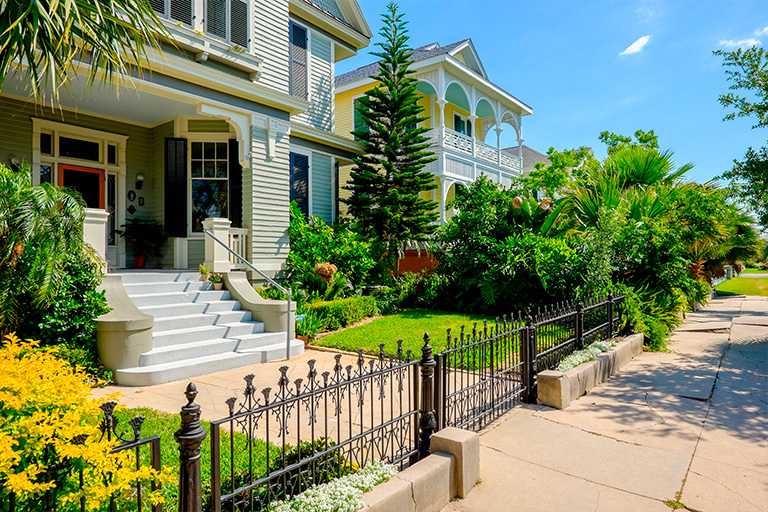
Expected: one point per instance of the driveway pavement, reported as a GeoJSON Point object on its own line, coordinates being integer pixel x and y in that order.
{"type": "Point", "coordinates": [688, 426]}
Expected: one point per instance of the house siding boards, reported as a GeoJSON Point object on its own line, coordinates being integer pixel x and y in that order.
{"type": "Point", "coordinates": [266, 210]}
{"type": "Point", "coordinates": [271, 42]}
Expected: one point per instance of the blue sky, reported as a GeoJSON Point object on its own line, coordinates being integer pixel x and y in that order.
{"type": "Point", "coordinates": [564, 59]}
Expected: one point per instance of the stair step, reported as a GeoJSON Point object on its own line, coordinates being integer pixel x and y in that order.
{"type": "Point", "coordinates": [167, 372]}
{"type": "Point", "coordinates": [181, 336]}
{"type": "Point", "coordinates": [181, 352]}
{"type": "Point", "coordinates": [230, 317]}
{"type": "Point", "coordinates": [157, 276]}
{"type": "Point", "coordinates": [258, 340]}
{"type": "Point", "coordinates": [175, 309]}
{"type": "Point", "coordinates": [166, 287]}
{"type": "Point", "coordinates": [165, 298]}
{"type": "Point", "coordinates": [237, 329]}
{"type": "Point", "coordinates": [173, 323]}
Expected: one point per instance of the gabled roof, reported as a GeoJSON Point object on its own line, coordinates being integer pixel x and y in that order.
{"type": "Point", "coordinates": [465, 47]}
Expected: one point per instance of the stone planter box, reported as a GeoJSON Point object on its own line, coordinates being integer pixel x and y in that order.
{"type": "Point", "coordinates": [452, 470]}
{"type": "Point", "coordinates": [559, 389]}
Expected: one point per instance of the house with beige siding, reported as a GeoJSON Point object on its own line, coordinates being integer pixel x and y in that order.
{"type": "Point", "coordinates": [466, 114]}
{"type": "Point", "coordinates": [233, 121]}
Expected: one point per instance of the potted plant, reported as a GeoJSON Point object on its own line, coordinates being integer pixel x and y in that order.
{"type": "Point", "coordinates": [146, 237]}
{"type": "Point", "coordinates": [204, 272]}
{"type": "Point", "coordinates": [217, 281]}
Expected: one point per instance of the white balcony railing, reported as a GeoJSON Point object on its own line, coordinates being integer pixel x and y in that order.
{"type": "Point", "coordinates": [469, 146]}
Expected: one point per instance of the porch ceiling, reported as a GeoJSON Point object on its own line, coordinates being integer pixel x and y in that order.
{"type": "Point", "coordinates": [124, 102]}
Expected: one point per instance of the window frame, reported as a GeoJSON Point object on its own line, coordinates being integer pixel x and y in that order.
{"type": "Point", "coordinates": [202, 137]}
{"type": "Point", "coordinates": [307, 153]}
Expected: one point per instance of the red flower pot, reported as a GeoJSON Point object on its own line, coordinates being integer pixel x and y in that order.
{"type": "Point", "coordinates": [140, 262]}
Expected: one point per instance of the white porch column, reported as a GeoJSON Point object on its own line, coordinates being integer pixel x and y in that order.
{"type": "Point", "coordinates": [520, 154]}
{"type": "Point", "coordinates": [472, 120]}
{"type": "Point", "coordinates": [441, 103]}
{"type": "Point", "coordinates": [443, 194]}
{"type": "Point", "coordinates": [95, 232]}
{"type": "Point", "coordinates": [498, 131]}
{"type": "Point", "coordinates": [216, 256]}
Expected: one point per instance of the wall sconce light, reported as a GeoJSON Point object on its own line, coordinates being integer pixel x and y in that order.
{"type": "Point", "coordinates": [139, 181]}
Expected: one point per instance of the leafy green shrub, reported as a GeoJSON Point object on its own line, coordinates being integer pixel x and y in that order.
{"type": "Point", "coordinates": [313, 242]}
{"type": "Point", "coordinates": [340, 313]}
{"type": "Point", "coordinates": [312, 324]}
{"type": "Point", "coordinates": [387, 299]}
{"type": "Point", "coordinates": [582, 356]}
{"type": "Point", "coordinates": [420, 290]}
{"type": "Point", "coordinates": [69, 322]}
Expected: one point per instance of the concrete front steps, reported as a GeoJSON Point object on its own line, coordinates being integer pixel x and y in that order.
{"type": "Point", "coordinates": [197, 330]}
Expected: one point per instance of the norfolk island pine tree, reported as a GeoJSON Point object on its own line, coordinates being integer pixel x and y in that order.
{"type": "Point", "coordinates": [389, 176]}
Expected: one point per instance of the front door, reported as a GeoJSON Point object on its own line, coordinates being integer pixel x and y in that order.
{"type": "Point", "coordinates": [88, 181]}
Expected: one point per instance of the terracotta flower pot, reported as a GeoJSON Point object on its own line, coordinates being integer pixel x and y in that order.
{"type": "Point", "coordinates": [218, 286]}
{"type": "Point", "coordinates": [204, 277]}
{"type": "Point", "coordinates": [140, 262]}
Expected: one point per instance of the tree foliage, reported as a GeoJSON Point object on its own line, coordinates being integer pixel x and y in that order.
{"type": "Point", "coordinates": [389, 177]}
{"type": "Point", "coordinates": [52, 38]}
{"type": "Point", "coordinates": [749, 182]}
{"type": "Point", "coordinates": [748, 72]}
{"type": "Point", "coordinates": [616, 142]}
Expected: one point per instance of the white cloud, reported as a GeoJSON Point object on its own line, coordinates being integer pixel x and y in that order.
{"type": "Point", "coordinates": [637, 46]}
{"type": "Point", "coordinates": [763, 32]}
{"type": "Point", "coordinates": [730, 43]}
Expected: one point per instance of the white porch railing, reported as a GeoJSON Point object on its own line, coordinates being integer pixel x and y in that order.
{"type": "Point", "coordinates": [475, 148]}
{"type": "Point", "coordinates": [238, 242]}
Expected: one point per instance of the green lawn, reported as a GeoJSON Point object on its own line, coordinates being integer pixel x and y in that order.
{"type": "Point", "coordinates": [408, 326]}
{"type": "Point", "coordinates": [754, 271]}
{"type": "Point", "coordinates": [744, 286]}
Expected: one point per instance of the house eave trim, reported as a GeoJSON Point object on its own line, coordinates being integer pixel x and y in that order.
{"type": "Point", "coordinates": [329, 139]}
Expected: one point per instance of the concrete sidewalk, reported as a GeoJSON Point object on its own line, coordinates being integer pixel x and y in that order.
{"type": "Point", "coordinates": [687, 426]}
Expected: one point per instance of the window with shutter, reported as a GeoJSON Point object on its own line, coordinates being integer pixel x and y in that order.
{"type": "Point", "coordinates": [300, 181]}
{"type": "Point", "coordinates": [158, 6]}
{"type": "Point", "coordinates": [175, 187]}
{"type": "Point", "coordinates": [216, 18]}
{"type": "Point", "coordinates": [239, 23]}
{"type": "Point", "coordinates": [298, 61]}
{"type": "Point", "coordinates": [181, 10]}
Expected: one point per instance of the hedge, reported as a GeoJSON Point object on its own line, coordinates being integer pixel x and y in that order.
{"type": "Point", "coordinates": [340, 313]}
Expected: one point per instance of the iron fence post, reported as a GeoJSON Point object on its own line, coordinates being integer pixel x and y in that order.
{"type": "Point", "coordinates": [533, 394]}
{"type": "Point", "coordinates": [190, 437]}
{"type": "Point", "coordinates": [610, 315]}
{"type": "Point", "coordinates": [427, 423]}
{"type": "Point", "coordinates": [579, 325]}
{"type": "Point", "coordinates": [439, 394]}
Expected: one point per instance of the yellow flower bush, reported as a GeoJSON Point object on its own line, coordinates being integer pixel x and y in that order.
{"type": "Point", "coordinates": [47, 417]}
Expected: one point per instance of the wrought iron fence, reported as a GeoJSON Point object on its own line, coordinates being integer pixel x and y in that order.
{"type": "Point", "coordinates": [313, 429]}
{"type": "Point", "coordinates": [59, 469]}
{"type": "Point", "coordinates": [484, 374]}
{"type": "Point", "coordinates": [478, 375]}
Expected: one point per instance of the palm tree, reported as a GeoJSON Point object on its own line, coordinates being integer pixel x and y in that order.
{"type": "Point", "coordinates": [48, 40]}
{"type": "Point", "coordinates": [41, 227]}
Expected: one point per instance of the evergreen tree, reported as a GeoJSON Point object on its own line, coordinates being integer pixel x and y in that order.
{"type": "Point", "coordinates": [389, 176]}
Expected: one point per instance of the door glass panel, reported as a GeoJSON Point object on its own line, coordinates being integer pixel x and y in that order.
{"type": "Point", "coordinates": [87, 183]}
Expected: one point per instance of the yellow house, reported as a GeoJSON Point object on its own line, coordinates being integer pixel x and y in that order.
{"type": "Point", "coordinates": [467, 115]}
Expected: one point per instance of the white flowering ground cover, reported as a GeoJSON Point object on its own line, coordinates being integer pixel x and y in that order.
{"type": "Point", "coordinates": [582, 356]}
{"type": "Point", "coordinates": [344, 494]}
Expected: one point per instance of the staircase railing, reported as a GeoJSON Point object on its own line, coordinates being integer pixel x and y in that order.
{"type": "Point", "coordinates": [286, 291]}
